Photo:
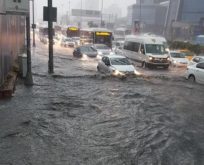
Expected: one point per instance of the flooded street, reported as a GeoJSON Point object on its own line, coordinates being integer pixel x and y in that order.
{"type": "Point", "coordinates": [79, 117]}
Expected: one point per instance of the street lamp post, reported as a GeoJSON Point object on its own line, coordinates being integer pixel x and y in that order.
{"type": "Point", "coordinates": [101, 12]}
{"type": "Point", "coordinates": [33, 26]}
{"type": "Point", "coordinates": [50, 34]}
{"type": "Point", "coordinates": [81, 16]}
{"type": "Point", "coordinates": [140, 19]}
{"type": "Point", "coordinates": [29, 77]}
{"type": "Point", "coordinates": [69, 13]}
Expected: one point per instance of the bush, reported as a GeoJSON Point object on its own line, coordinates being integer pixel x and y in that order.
{"type": "Point", "coordinates": [197, 49]}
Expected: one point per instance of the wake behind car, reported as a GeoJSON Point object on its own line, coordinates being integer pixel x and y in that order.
{"type": "Point", "coordinates": [85, 51]}
{"type": "Point", "coordinates": [178, 59]}
{"type": "Point", "coordinates": [116, 65]}
{"type": "Point", "coordinates": [195, 73]}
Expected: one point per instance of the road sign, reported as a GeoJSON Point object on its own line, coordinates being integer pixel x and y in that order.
{"type": "Point", "coordinates": [33, 26]}
{"type": "Point", "coordinates": [16, 6]}
{"type": "Point", "coordinates": [86, 13]}
{"type": "Point", "coordinates": [53, 14]}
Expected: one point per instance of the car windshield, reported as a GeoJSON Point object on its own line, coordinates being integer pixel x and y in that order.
{"type": "Point", "coordinates": [68, 39]}
{"type": "Point", "coordinates": [177, 55]}
{"type": "Point", "coordinates": [101, 47]}
{"type": "Point", "coordinates": [155, 49]}
{"type": "Point", "coordinates": [87, 49]}
{"type": "Point", "coordinates": [119, 61]}
{"type": "Point", "coordinates": [76, 38]}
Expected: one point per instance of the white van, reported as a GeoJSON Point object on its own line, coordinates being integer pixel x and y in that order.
{"type": "Point", "coordinates": [149, 50]}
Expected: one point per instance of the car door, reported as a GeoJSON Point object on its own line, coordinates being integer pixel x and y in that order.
{"type": "Point", "coordinates": [200, 72]}
{"type": "Point", "coordinates": [102, 65]}
{"type": "Point", "coordinates": [105, 64]}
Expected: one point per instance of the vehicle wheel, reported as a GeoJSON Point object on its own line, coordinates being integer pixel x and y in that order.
{"type": "Point", "coordinates": [191, 78]}
{"type": "Point", "coordinates": [98, 69]}
{"type": "Point", "coordinates": [166, 67]}
{"type": "Point", "coordinates": [144, 65]}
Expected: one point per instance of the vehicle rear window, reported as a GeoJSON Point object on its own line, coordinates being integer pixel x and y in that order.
{"type": "Point", "coordinates": [102, 47]}
{"type": "Point", "coordinates": [119, 61]}
{"type": "Point", "coordinates": [178, 55]}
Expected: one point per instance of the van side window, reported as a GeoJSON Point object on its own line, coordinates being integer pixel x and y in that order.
{"type": "Point", "coordinates": [126, 45]}
{"type": "Point", "coordinates": [136, 46]}
{"type": "Point", "coordinates": [142, 49]}
{"type": "Point", "coordinates": [132, 46]}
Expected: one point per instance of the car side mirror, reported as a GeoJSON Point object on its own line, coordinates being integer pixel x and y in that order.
{"type": "Point", "coordinates": [107, 63]}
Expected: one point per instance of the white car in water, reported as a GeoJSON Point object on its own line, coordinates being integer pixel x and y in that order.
{"type": "Point", "coordinates": [196, 59]}
{"type": "Point", "coordinates": [195, 73]}
{"type": "Point", "coordinates": [116, 65]}
{"type": "Point", "coordinates": [178, 59]}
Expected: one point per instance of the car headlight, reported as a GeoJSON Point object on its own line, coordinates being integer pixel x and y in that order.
{"type": "Point", "coordinates": [99, 57]}
{"type": "Point", "coordinates": [111, 53]}
{"type": "Point", "coordinates": [150, 58]}
{"type": "Point", "coordinates": [100, 53]}
{"type": "Point", "coordinates": [117, 73]}
{"type": "Point", "coordinates": [168, 58]}
{"type": "Point", "coordinates": [137, 73]}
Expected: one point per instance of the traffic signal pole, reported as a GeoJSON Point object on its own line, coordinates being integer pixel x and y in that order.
{"type": "Point", "coordinates": [29, 77]}
{"type": "Point", "coordinates": [50, 35]}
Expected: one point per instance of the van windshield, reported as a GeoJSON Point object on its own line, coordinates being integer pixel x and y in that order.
{"type": "Point", "coordinates": [155, 49]}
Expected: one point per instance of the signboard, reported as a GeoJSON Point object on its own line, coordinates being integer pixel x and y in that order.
{"type": "Point", "coordinates": [73, 28]}
{"type": "Point", "coordinates": [16, 6]}
{"type": "Point", "coordinates": [53, 14]}
{"type": "Point", "coordinates": [103, 34]}
{"type": "Point", "coordinates": [2, 7]}
{"type": "Point", "coordinates": [86, 13]}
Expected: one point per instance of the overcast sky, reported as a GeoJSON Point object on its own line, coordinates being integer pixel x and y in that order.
{"type": "Point", "coordinates": [63, 5]}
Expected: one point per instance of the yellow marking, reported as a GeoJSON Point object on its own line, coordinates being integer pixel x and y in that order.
{"type": "Point", "coordinates": [73, 28]}
{"type": "Point", "coordinates": [103, 34]}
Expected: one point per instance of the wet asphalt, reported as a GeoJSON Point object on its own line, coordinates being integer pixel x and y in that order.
{"type": "Point", "coordinates": [78, 116]}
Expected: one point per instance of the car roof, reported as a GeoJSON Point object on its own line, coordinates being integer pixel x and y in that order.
{"type": "Point", "coordinates": [175, 51]}
{"type": "Point", "coordinates": [199, 57]}
{"type": "Point", "coordinates": [115, 56]}
{"type": "Point", "coordinates": [100, 44]}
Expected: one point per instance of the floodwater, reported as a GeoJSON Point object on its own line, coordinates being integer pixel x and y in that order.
{"type": "Point", "coordinates": [79, 117]}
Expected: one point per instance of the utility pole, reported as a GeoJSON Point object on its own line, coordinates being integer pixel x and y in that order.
{"type": "Point", "coordinates": [69, 13]}
{"type": "Point", "coordinates": [101, 12]}
{"type": "Point", "coordinates": [50, 34]}
{"type": "Point", "coordinates": [81, 16]}
{"type": "Point", "coordinates": [140, 19]}
{"type": "Point", "coordinates": [33, 25]}
{"type": "Point", "coordinates": [29, 77]}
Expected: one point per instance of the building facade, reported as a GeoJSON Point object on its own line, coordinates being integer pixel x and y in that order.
{"type": "Point", "coordinates": [149, 13]}
{"type": "Point", "coordinates": [12, 40]}
{"type": "Point", "coordinates": [92, 4]}
{"type": "Point", "coordinates": [185, 19]}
